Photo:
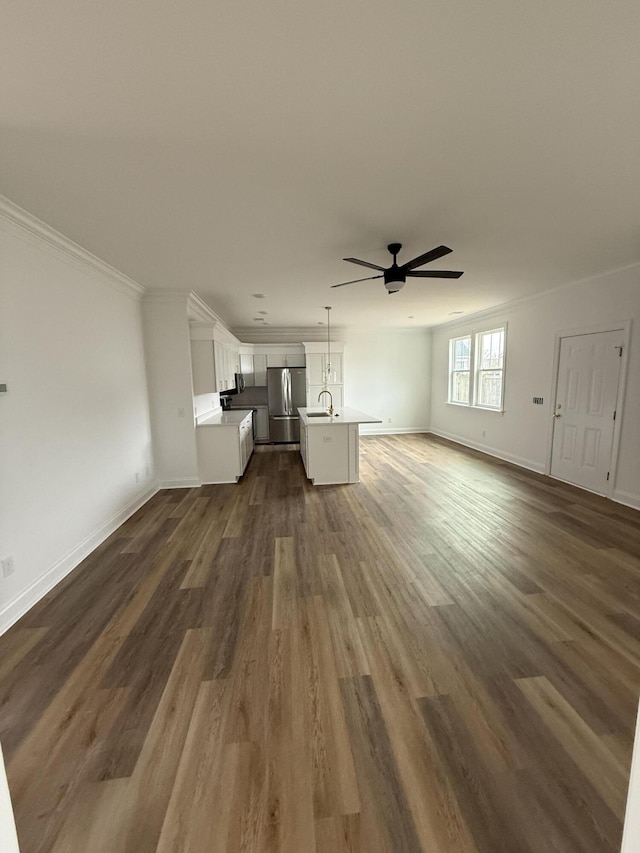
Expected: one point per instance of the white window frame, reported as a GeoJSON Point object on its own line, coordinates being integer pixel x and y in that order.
{"type": "Point", "coordinates": [453, 371]}
{"type": "Point", "coordinates": [474, 371]}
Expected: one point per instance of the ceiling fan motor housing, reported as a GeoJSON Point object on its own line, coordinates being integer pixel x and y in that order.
{"type": "Point", "coordinates": [394, 280]}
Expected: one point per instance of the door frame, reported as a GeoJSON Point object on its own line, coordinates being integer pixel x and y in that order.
{"type": "Point", "coordinates": [623, 326]}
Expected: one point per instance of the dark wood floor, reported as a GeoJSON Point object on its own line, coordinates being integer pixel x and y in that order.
{"type": "Point", "coordinates": [443, 658]}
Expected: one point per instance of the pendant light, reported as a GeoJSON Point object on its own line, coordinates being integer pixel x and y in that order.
{"type": "Point", "coordinates": [329, 373]}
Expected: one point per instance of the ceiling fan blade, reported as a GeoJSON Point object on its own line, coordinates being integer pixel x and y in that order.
{"type": "Point", "coordinates": [435, 274]}
{"type": "Point", "coordinates": [363, 264]}
{"type": "Point", "coordinates": [433, 255]}
{"type": "Point", "coordinates": [369, 278]}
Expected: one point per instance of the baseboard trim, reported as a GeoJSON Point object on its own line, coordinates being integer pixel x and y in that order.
{"type": "Point", "coordinates": [181, 483]}
{"type": "Point", "coordinates": [521, 461]}
{"type": "Point", "coordinates": [626, 498]}
{"type": "Point", "coordinates": [25, 600]}
{"type": "Point", "coordinates": [364, 430]}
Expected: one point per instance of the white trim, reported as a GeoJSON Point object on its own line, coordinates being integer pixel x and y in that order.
{"type": "Point", "coordinates": [472, 335]}
{"type": "Point", "coordinates": [625, 327]}
{"type": "Point", "coordinates": [61, 568]}
{"type": "Point", "coordinates": [626, 498]}
{"type": "Point", "coordinates": [371, 430]}
{"type": "Point", "coordinates": [22, 223]}
{"type": "Point", "coordinates": [520, 461]}
{"type": "Point", "coordinates": [181, 482]}
{"type": "Point", "coordinates": [470, 316]}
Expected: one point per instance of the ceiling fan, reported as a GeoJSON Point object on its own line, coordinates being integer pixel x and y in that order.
{"type": "Point", "coordinates": [395, 276]}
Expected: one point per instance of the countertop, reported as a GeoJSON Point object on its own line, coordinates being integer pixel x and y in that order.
{"type": "Point", "coordinates": [344, 416]}
{"type": "Point", "coordinates": [232, 417]}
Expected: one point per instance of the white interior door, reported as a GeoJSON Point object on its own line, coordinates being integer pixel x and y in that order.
{"type": "Point", "coordinates": [584, 416]}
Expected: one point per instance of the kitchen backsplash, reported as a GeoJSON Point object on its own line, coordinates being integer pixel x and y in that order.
{"type": "Point", "coordinates": [253, 396]}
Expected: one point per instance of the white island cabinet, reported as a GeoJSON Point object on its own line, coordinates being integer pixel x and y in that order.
{"type": "Point", "coordinates": [330, 445]}
{"type": "Point", "coordinates": [225, 444]}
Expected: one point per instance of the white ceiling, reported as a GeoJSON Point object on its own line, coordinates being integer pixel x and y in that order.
{"type": "Point", "coordinates": [232, 148]}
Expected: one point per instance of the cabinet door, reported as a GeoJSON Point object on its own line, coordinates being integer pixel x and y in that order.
{"type": "Point", "coordinates": [317, 363]}
{"type": "Point", "coordinates": [246, 368]}
{"type": "Point", "coordinates": [260, 369]}
{"type": "Point", "coordinates": [235, 363]}
{"type": "Point", "coordinates": [276, 359]}
{"type": "Point", "coordinates": [295, 360]}
{"type": "Point", "coordinates": [336, 366]}
{"type": "Point", "coordinates": [219, 362]}
{"type": "Point", "coordinates": [315, 368]}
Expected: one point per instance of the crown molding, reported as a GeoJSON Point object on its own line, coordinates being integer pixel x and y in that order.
{"type": "Point", "coordinates": [494, 310]}
{"type": "Point", "coordinates": [280, 334]}
{"type": "Point", "coordinates": [26, 226]}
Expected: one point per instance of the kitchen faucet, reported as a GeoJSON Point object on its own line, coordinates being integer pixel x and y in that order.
{"type": "Point", "coordinates": [330, 399]}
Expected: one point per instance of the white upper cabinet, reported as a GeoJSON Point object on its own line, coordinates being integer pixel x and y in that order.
{"type": "Point", "coordinates": [260, 369]}
{"type": "Point", "coordinates": [317, 364]}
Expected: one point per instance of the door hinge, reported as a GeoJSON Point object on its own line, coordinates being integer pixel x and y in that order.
{"type": "Point", "coordinates": [619, 351]}
{"type": "Point", "coordinates": [614, 415]}
{"type": "Point", "coordinates": [608, 475]}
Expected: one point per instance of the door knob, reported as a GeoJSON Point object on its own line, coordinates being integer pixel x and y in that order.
{"type": "Point", "coordinates": [557, 416]}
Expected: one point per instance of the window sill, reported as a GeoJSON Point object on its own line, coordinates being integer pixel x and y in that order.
{"type": "Point", "coordinates": [475, 408]}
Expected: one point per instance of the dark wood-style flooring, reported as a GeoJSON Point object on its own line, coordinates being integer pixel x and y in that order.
{"type": "Point", "coordinates": [444, 658]}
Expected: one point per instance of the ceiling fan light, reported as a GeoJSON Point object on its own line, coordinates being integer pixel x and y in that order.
{"type": "Point", "coordinates": [394, 286]}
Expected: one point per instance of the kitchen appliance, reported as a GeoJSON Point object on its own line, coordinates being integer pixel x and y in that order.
{"type": "Point", "coordinates": [286, 391]}
{"type": "Point", "coordinates": [239, 383]}
{"type": "Point", "coordinates": [225, 403]}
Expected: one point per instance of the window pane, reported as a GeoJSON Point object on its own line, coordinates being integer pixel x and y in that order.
{"type": "Point", "coordinates": [462, 354]}
{"type": "Point", "coordinates": [491, 350]}
{"type": "Point", "coordinates": [490, 388]}
{"type": "Point", "coordinates": [460, 387]}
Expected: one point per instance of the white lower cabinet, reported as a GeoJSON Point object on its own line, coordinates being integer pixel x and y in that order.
{"type": "Point", "coordinates": [224, 450]}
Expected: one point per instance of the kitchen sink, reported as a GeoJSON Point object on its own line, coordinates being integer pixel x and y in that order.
{"type": "Point", "coordinates": [318, 414]}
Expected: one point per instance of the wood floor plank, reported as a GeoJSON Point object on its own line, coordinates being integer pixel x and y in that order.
{"type": "Point", "coordinates": [444, 658]}
{"type": "Point", "coordinates": [386, 820]}
{"type": "Point", "coordinates": [596, 761]}
{"type": "Point", "coordinates": [193, 810]}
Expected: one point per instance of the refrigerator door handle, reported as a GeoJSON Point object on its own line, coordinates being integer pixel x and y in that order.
{"type": "Point", "coordinates": [289, 407]}
{"type": "Point", "coordinates": [285, 417]}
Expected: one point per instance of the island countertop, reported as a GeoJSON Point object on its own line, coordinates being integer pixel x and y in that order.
{"type": "Point", "coordinates": [344, 416]}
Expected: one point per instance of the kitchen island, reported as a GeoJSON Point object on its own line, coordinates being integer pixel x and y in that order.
{"type": "Point", "coordinates": [330, 445]}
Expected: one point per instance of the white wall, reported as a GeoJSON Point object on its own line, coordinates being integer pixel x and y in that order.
{"type": "Point", "coordinates": [521, 433]}
{"type": "Point", "coordinates": [74, 424]}
{"type": "Point", "coordinates": [8, 837]}
{"type": "Point", "coordinates": [168, 351]}
{"type": "Point", "coordinates": [387, 374]}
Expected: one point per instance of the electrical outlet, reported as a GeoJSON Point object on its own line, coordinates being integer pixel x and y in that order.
{"type": "Point", "coordinates": [195, 411]}
{"type": "Point", "coordinates": [146, 471]}
{"type": "Point", "coordinates": [137, 476]}
{"type": "Point", "coordinates": [388, 420]}
{"type": "Point", "coordinates": [484, 433]}
{"type": "Point", "coordinates": [181, 413]}
{"type": "Point", "coordinates": [7, 567]}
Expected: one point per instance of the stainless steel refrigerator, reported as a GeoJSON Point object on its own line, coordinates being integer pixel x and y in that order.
{"type": "Point", "coordinates": [286, 390]}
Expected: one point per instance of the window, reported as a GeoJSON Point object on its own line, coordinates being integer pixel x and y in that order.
{"type": "Point", "coordinates": [459, 370]}
{"type": "Point", "coordinates": [476, 369]}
